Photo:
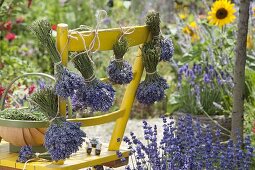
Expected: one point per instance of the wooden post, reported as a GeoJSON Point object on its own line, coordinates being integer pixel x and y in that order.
{"type": "Point", "coordinates": [239, 71]}
{"type": "Point", "coordinates": [62, 46]}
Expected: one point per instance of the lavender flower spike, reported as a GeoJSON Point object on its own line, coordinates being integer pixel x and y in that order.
{"type": "Point", "coordinates": [167, 49]}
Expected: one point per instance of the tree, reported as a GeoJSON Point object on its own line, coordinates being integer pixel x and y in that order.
{"type": "Point", "coordinates": [239, 71]}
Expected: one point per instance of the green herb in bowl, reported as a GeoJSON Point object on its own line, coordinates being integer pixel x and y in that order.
{"type": "Point", "coordinates": [22, 114]}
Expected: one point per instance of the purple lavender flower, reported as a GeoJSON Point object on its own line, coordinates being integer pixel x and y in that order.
{"type": "Point", "coordinates": [67, 83]}
{"type": "Point", "coordinates": [25, 154]}
{"type": "Point", "coordinates": [122, 75]}
{"type": "Point", "coordinates": [186, 146]}
{"type": "Point", "coordinates": [97, 95]}
{"type": "Point", "coordinates": [150, 92]}
{"type": "Point", "coordinates": [63, 138]}
{"type": "Point", "coordinates": [167, 49]}
{"type": "Point", "coordinates": [78, 101]}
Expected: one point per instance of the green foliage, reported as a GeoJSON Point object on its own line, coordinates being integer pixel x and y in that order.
{"type": "Point", "coordinates": [22, 114]}
{"type": "Point", "coordinates": [46, 101]}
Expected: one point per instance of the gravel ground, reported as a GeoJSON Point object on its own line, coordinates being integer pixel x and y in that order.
{"type": "Point", "coordinates": [104, 131]}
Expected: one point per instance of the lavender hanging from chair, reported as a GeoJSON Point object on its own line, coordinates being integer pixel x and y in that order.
{"type": "Point", "coordinates": [66, 81]}
{"type": "Point", "coordinates": [119, 70]}
{"type": "Point", "coordinates": [97, 95]}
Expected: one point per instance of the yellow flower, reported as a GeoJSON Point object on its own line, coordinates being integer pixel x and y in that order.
{"type": "Point", "coordinates": [249, 42]}
{"type": "Point", "coordinates": [191, 30]}
{"type": "Point", "coordinates": [253, 9]}
{"type": "Point", "coordinates": [183, 16]}
{"type": "Point", "coordinates": [222, 13]}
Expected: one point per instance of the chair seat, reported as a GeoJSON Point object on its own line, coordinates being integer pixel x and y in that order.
{"type": "Point", "coordinates": [77, 161]}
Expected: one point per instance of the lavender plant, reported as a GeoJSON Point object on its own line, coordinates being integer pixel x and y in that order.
{"type": "Point", "coordinates": [203, 86]}
{"type": "Point", "coordinates": [120, 71]}
{"type": "Point", "coordinates": [185, 146]}
{"type": "Point", "coordinates": [26, 154]}
{"type": "Point", "coordinates": [97, 95]}
{"type": "Point", "coordinates": [67, 82]}
{"type": "Point", "coordinates": [62, 138]}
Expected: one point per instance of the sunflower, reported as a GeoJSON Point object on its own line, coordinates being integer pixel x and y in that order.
{"type": "Point", "coordinates": [222, 13]}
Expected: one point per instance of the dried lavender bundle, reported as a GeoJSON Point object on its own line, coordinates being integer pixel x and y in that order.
{"type": "Point", "coordinates": [67, 82]}
{"type": "Point", "coordinates": [62, 138]}
{"type": "Point", "coordinates": [166, 44]}
{"type": "Point", "coordinates": [97, 95]}
{"type": "Point", "coordinates": [120, 71]}
{"type": "Point", "coordinates": [26, 154]}
{"type": "Point", "coordinates": [153, 88]}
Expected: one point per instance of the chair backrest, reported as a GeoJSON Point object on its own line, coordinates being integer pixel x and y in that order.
{"type": "Point", "coordinates": [107, 38]}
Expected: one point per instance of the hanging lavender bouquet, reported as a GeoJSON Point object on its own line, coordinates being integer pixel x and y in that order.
{"type": "Point", "coordinates": [62, 138]}
{"type": "Point", "coordinates": [67, 82]}
{"type": "Point", "coordinates": [166, 44]}
{"type": "Point", "coordinates": [153, 88]}
{"type": "Point", "coordinates": [120, 71]}
{"type": "Point", "coordinates": [97, 95]}
{"type": "Point", "coordinates": [26, 154]}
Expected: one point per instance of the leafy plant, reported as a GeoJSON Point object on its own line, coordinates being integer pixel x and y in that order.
{"type": "Point", "coordinates": [22, 114]}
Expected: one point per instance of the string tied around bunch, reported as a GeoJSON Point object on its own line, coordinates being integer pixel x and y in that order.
{"type": "Point", "coordinates": [151, 73]}
{"type": "Point", "coordinates": [100, 16]}
{"type": "Point", "coordinates": [126, 31]}
{"type": "Point", "coordinates": [33, 159]}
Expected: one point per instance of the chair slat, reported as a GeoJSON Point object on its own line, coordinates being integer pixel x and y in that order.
{"type": "Point", "coordinates": [107, 38]}
{"type": "Point", "coordinates": [97, 120]}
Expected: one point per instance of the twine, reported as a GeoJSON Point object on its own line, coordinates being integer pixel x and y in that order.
{"type": "Point", "coordinates": [119, 60]}
{"type": "Point", "coordinates": [149, 73]}
{"type": "Point", "coordinates": [101, 14]}
{"type": "Point", "coordinates": [33, 159]}
{"type": "Point", "coordinates": [90, 79]}
{"type": "Point", "coordinates": [126, 31]}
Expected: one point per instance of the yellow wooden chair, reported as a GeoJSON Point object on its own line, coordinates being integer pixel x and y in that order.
{"type": "Point", "coordinates": [108, 155]}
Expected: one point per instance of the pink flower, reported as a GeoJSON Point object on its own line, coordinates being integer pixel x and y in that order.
{"type": "Point", "coordinates": [1, 90]}
{"type": "Point", "coordinates": [54, 27]}
{"type": "Point", "coordinates": [10, 36]}
{"type": "Point", "coordinates": [31, 89]}
{"type": "Point", "coordinates": [19, 20]}
{"type": "Point", "coordinates": [8, 25]}
{"type": "Point", "coordinates": [253, 129]}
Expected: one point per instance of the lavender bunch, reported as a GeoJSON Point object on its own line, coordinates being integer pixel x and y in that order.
{"type": "Point", "coordinates": [63, 138]}
{"type": "Point", "coordinates": [120, 71]}
{"type": "Point", "coordinates": [167, 49]}
{"type": "Point", "coordinates": [46, 101]}
{"type": "Point", "coordinates": [67, 82]}
{"type": "Point", "coordinates": [26, 154]}
{"type": "Point", "coordinates": [97, 95]}
{"type": "Point", "coordinates": [153, 88]}
{"type": "Point", "coordinates": [166, 44]}
{"type": "Point", "coordinates": [185, 145]}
